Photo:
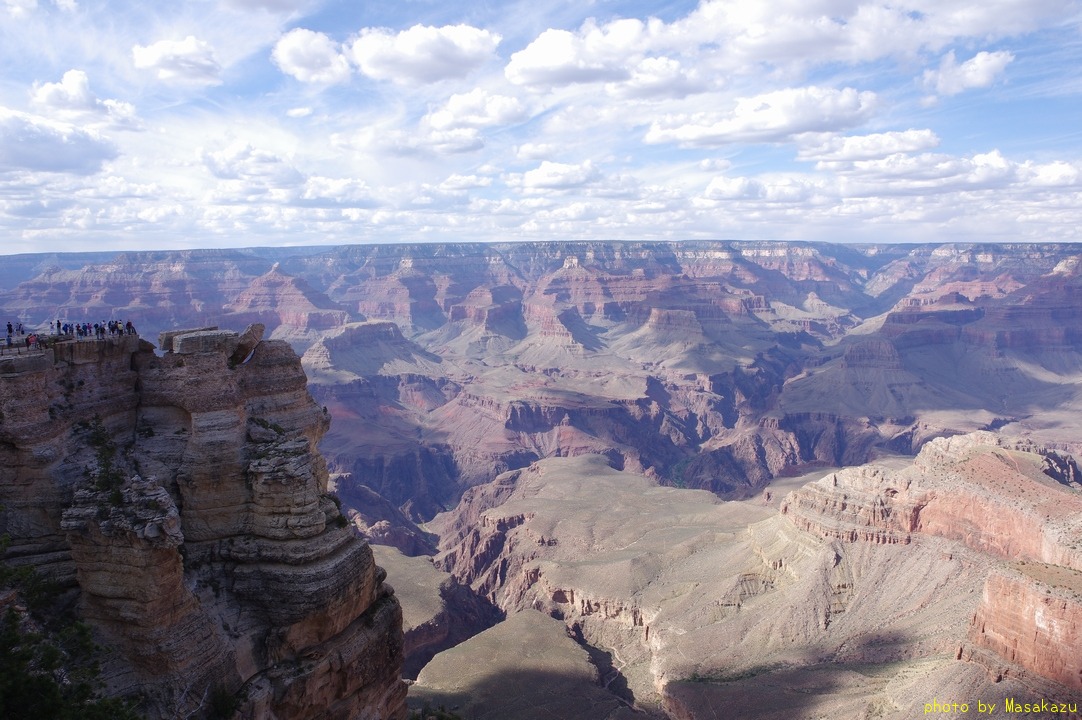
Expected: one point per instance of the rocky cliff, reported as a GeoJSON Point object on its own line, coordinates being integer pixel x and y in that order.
{"type": "Point", "coordinates": [1004, 498]}
{"type": "Point", "coordinates": [1030, 618]}
{"type": "Point", "coordinates": [712, 365]}
{"type": "Point", "coordinates": [865, 593]}
{"type": "Point", "coordinates": [181, 496]}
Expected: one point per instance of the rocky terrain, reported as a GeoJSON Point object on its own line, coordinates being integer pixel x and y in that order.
{"type": "Point", "coordinates": [867, 593]}
{"type": "Point", "coordinates": [706, 365]}
{"type": "Point", "coordinates": [179, 500]}
{"type": "Point", "coordinates": [608, 433]}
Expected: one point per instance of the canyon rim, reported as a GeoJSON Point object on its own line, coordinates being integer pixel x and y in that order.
{"type": "Point", "coordinates": [581, 480]}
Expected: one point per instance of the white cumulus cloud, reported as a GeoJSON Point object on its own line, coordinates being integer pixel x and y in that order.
{"type": "Point", "coordinates": [424, 141]}
{"type": "Point", "coordinates": [559, 176]}
{"type": "Point", "coordinates": [536, 151]}
{"type": "Point", "coordinates": [927, 172]}
{"type": "Point", "coordinates": [477, 109]}
{"type": "Point", "coordinates": [189, 61]}
{"type": "Point", "coordinates": [658, 77]}
{"type": "Point", "coordinates": [458, 182]}
{"type": "Point", "coordinates": [319, 191]}
{"type": "Point", "coordinates": [593, 54]}
{"type": "Point", "coordinates": [839, 148]}
{"type": "Point", "coordinates": [240, 161]}
{"type": "Point", "coordinates": [1054, 174]}
{"type": "Point", "coordinates": [733, 188]}
{"type": "Point", "coordinates": [72, 98]}
{"type": "Point", "coordinates": [33, 143]}
{"type": "Point", "coordinates": [979, 71]}
{"type": "Point", "coordinates": [423, 54]}
{"type": "Point", "coordinates": [783, 189]}
{"type": "Point", "coordinates": [71, 93]}
{"type": "Point", "coordinates": [743, 37]}
{"type": "Point", "coordinates": [770, 117]}
{"type": "Point", "coordinates": [20, 8]}
{"type": "Point", "coordinates": [310, 57]}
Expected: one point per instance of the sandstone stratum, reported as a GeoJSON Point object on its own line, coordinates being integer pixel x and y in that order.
{"type": "Point", "coordinates": [180, 504]}
{"type": "Point", "coordinates": [607, 479]}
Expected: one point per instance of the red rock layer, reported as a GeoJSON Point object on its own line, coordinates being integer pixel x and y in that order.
{"type": "Point", "coordinates": [1032, 624]}
{"type": "Point", "coordinates": [992, 496]}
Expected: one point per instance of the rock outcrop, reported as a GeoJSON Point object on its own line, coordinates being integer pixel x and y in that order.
{"type": "Point", "coordinates": [992, 494]}
{"type": "Point", "coordinates": [1000, 497]}
{"type": "Point", "coordinates": [1030, 617]}
{"type": "Point", "coordinates": [870, 588]}
{"type": "Point", "coordinates": [289, 307]}
{"type": "Point", "coordinates": [183, 497]}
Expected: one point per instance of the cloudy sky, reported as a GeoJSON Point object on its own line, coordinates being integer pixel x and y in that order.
{"type": "Point", "coordinates": [226, 123]}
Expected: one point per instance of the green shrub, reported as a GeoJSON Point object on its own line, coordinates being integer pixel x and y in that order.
{"type": "Point", "coordinates": [48, 667]}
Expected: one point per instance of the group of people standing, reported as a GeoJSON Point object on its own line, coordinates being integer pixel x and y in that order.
{"type": "Point", "coordinates": [97, 330]}
{"type": "Point", "coordinates": [79, 331]}
{"type": "Point", "coordinates": [31, 341]}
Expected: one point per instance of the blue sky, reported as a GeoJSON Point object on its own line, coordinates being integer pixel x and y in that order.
{"type": "Point", "coordinates": [227, 123]}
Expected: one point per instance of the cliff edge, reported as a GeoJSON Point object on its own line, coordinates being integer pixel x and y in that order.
{"type": "Point", "coordinates": [180, 497]}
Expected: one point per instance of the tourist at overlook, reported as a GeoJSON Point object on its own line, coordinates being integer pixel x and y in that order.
{"type": "Point", "coordinates": [35, 341]}
{"type": "Point", "coordinates": [98, 330]}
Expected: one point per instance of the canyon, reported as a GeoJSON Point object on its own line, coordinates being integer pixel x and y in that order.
{"type": "Point", "coordinates": [866, 592]}
{"type": "Point", "coordinates": [783, 479]}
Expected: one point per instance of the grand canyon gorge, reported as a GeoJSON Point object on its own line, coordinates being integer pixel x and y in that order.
{"type": "Point", "coordinates": [583, 480]}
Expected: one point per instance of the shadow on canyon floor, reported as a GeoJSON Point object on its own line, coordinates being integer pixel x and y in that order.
{"type": "Point", "coordinates": [527, 695]}
{"type": "Point", "coordinates": [834, 684]}
{"type": "Point", "coordinates": [848, 682]}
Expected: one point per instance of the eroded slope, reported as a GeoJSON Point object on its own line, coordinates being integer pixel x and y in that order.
{"type": "Point", "coordinates": [870, 589]}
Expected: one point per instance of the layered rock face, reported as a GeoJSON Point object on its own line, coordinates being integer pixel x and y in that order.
{"type": "Point", "coordinates": [994, 495]}
{"type": "Point", "coordinates": [1000, 497]}
{"type": "Point", "coordinates": [183, 496]}
{"type": "Point", "coordinates": [712, 365]}
{"type": "Point", "coordinates": [1031, 618]}
{"type": "Point", "coordinates": [288, 307]}
{"type": "Point", "coordinates": [870, 590]}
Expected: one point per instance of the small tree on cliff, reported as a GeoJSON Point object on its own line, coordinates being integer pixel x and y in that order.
{"type": "Point", "coordinates": [47, 665]}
